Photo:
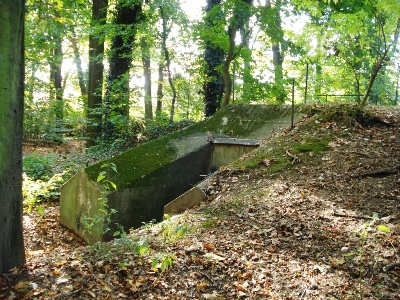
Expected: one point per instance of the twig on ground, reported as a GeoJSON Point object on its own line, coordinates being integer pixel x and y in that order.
{"type": "Point", "coordinates": [349, 216]}
{"type": "Point", "coordinates": [379, 173]}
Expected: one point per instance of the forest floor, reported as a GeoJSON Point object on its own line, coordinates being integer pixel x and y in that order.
{"type": "Point", "coordinates": [318, 229]}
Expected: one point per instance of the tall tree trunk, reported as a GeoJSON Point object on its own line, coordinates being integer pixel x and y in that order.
{"type": "Point", "coordinates": [160, 84]}
{"type": "Point", "coordinates": [161, 64]}
{"type": "Point", "coordinates": [78, 64]}
{"type": "Point", "coordinates": [240, 17]}
{"type": "Point", "coordinates": [117, 94]}
{"type": "Point", "coordinates": [96, 69]}
{"type": "Point", "coordinates": [396, 95]}
{"type": "Point", "coordinates": [148, 107]}
{"type": "Point", "coordinates": [213, 87]}
{"type": "Point", "coordinates": [171, 84]}
{"type": "Point", "coordinates": [164, 36]}
{"type": "Point", "coordinates": [12, 252]}
{"type": "Point", "coordinates": [225, 69]}
{"type": "Point", "coordinates": [276, 35]}
{"type": "Point", "coordinates": [56, 77]}
{"type": "Point", "coordinates": [246, 76]}
{"type": "Point", "coordinates": [381, 58]}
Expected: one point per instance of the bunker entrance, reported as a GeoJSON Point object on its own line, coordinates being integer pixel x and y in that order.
{"type": "Point", "coordinates": [172, 189]}
{"type": "Point", "coordinates": [164, 175]}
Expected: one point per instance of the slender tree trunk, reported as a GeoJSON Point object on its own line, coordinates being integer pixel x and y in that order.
{"type": "Point", "coordinates": [238, 21]}
{"type": "Point", "coordinates": [117, 93]}
{"type": "Point", "coordinates": [12, 252]}
{"type": "Point", "coordinates": [277, 55]}
{"type": "Point", "coordinates": [225, 69]}
{"type": "Point", "coordinates": [78, 64]}
{"type": "Point", "coordinates": [381, 59]}
{"type": "Point", "coordinates": [148, 107]}
{"type": "Point", "coordinates": [161, 64]}
{"type": "Point", "coordinates": [56, 78]}
{"type": "Point", "coordinates": [318, 78]}
{"type": "Point", "coordinates": [213, 87]}
{"type": "Point", "coordinates": [96, 69]}
{"type": "Point", "coordinates": [396, 95]}
{"type": "Point", "coordinates": [164, 36]}
{"type": "Point", "coordinates": [160, 84]}
{"type": "Point", "coordinates": [171, 84]}
{"type": "Point", "coordinates": [246, 76]}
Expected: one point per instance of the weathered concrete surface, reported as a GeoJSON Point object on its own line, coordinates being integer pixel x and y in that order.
{"type": "Point", "coordinates": [141, 202]}
{"type": "Point", "coordinates": [227, 150]}
{"type": "Point", "coordinates": [79, 198]}
{"type": "Point", "coordinates": [153, 174]}
{"type": "Point", "coordinates": [144, 200]}
{"type": "Point", "coordinates": [191, 198]}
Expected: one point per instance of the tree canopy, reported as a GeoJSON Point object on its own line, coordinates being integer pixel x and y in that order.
{"type": "Point", "coordinates": [187, 67]}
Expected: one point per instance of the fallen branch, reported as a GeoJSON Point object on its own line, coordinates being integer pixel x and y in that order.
{"type": "Point", "coordinates": [352, 217]}
{"type": "Point", "coordinates": [379, 173]}
{"type": "Point", "coordinates": [392, 267]}
{"type": "Point", "coordinates": [294, 157]}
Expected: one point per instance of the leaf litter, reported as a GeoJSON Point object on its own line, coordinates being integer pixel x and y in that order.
{"type": "Point", "coordinates": [314, 230]}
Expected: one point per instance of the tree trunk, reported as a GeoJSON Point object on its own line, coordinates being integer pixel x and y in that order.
{"type": "Point", "coordinates": [240, 17]}
{"type": "Point", "coordinates": [225, 69]}
{"type": "Point", "coordinates": [11, 119]}
{"type": "Point", "coordinates": [56, 80]}
{"type": "Point", "coordinates": [247, 74]}
{"type": "Point", "coordinates": [96, 69]}
{"type": "Point", "coordinates": [160, 84]}
{"type": "Point", "coordinates": [161, 63]}
{"type": "Point", "coordinates": [213, 87]}
{"type": "Point", "coordinates": [171, 83]}
{"type": "Point", "coordinates": [148, 107]}
{"type": "Point", "coordinates": [56, 89]}
{"type": "Point", "coordinates": [381, 58]}
{"type": "Point", "coordinates": [277, 56]}
{"type": "Point", "coordinates": [164, 36]}
{"type": "Point", "coordinates": [78, 64]}
{"type": "Point", "coordinates": [117, 94]}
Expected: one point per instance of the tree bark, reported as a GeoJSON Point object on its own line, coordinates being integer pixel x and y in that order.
{"type": "Point", "coordinates": [276, 35]}
{"type": "Point", "coordinates": [171, 83]}
{"type": "Point", "coordinates": [11, 119]}
{"type": "Point", "coordinates": [213, 87]}
{"type": "Point", "coordinates": [78, 64]}
{"type": "Point", "coordinates": [381, 58]}
{"type": "Point", "coordinates": [56, 59]}
{"type": "Point", "coordinates": [96, 69]}
{"type": "Point", "coordinates": [160, 84]}
{"type": "Point", "coordinates": [164, 36]}
{"type": "Point", "coordinates": [225, 69]}
{"type": "Point", "coordinates": [148, 107]}
{"type": "Point", "coordinates": [117, 94]}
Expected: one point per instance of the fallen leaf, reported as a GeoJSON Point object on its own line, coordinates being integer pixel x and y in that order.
{"type": "Point", "coordinates": [213, 296]}
{"type": "Point", "coordinates": [208, 246]}
{"type": "Point", "coordinates": [22, 285]}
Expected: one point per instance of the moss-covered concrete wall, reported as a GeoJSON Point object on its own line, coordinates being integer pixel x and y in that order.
{"type": "Point", "coordinates": [144, 200]}
{"type": "Point", "coordinates": [153, 174]}
{"type": "Point", "coordinates": [79, 198]}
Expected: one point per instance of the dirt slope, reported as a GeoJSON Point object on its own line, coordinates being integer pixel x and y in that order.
{"type": "Point", "coordinates": [303, 232]}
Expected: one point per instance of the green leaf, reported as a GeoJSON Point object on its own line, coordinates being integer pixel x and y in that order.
{"type": "Point", "coordinates": [383, 228]}
{"type": "Point", "coordinates": [40, 210]}
{"type": "Point", "coordinates": [101, 176]}
{"type": "Point", "coordinates": [113, 185]}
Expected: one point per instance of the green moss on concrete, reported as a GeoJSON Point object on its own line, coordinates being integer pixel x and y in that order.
{"type": "Point", "coordinates": [274, 155]}
{"type": "Point", "coordinates": [232, 121]}
{"type": "Point", "coordinates": [137, 162]}
{"type": "Point", "coordinates": [240, 120]}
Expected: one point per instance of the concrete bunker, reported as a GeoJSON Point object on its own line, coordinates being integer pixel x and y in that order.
{"type": "Point", "coordinates": [163, 172]}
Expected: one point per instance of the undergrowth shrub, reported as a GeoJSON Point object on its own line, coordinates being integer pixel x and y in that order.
{"type": "Point", "coordinates": [38, 166]}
